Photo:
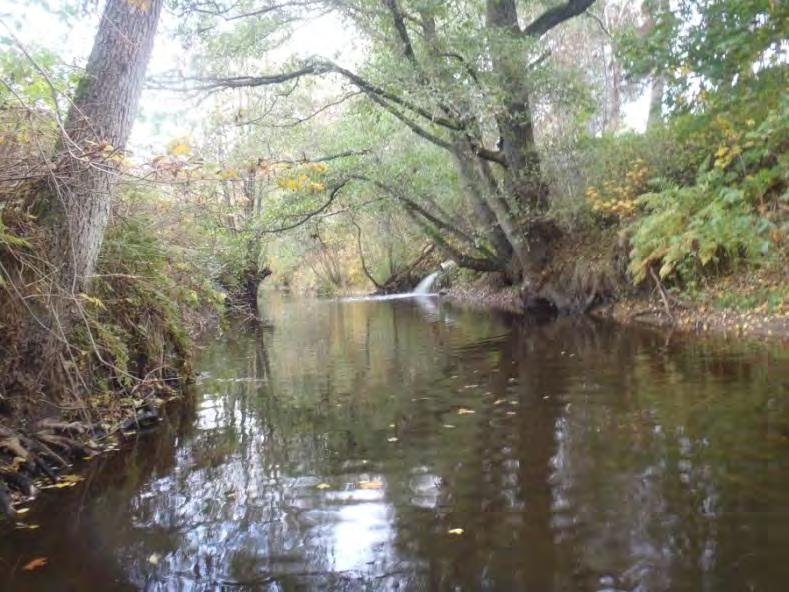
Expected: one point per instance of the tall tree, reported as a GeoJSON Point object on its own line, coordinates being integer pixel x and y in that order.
{"type": "Point", "coordinates": [458, 77]}
{"type": "Point", "coordinates": [95, 132]}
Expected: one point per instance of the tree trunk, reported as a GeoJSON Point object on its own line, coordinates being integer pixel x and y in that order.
{"type": "Point", "coordinates": [97, 128]}
{"type": "Point", "coordinates": [656, 101]}
{"type": "Point", "coordinates": [523, 178]}
{"type": "Point", "coordinates": [476, 193]}
{"type": "Point", "coordinates": [652, 10]}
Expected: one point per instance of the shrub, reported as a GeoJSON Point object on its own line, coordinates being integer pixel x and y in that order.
{"type": "Point", "coordinates": [734, 210]}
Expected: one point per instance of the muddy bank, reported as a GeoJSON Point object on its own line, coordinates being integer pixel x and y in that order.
{"type": "Point", "coordinates": [646, 310]}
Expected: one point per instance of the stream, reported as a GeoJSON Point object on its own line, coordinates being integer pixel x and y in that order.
{"type": "Point", "coordinates": [412, 444]}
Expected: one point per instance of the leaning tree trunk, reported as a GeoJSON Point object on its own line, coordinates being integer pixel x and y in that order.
{"type": "Point", "coordinates": [97, 128]}
{"type": "Point", "coordinates": [522, 180]}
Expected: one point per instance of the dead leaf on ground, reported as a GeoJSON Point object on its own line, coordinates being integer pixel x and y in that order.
{"type": "Point", "coordinates": [71, 478]}
{"type": "Point", "coordinates": [36, 563]}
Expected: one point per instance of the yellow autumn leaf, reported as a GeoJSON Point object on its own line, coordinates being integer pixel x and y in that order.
{"type": "Point", "coordinates": [464, 411]}
{"type": "Point", "coordinates": [92, 300]}
{"type": "Point", "coordinates": [71, 478]}
{"type": "Point", "coordinates": [323, 486]}
{"type": "Point", "coordinates": [179, 147]}
{"type": "Point", "coordinates": [455, 531]}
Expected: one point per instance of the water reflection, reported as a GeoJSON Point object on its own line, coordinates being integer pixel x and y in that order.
{"type": "Point", "coordinates": [337, 444]}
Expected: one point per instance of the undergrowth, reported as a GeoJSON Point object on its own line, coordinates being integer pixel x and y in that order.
{"type": "Point", "coordinates": [700, 197]}
{"type": "Point", "coordinates": [147, 300]}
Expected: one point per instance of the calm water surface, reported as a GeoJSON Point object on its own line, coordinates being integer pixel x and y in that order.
{"type": "Point", "coordinates": [413, 445]}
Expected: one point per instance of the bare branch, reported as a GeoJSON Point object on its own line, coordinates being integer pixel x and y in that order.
{"type": "Point", "coordinates": [330, 157]}
{"type": "Point", "coordinates": [596, 18]}
{"type": "Point", "coordinates": [402, 31]}
{"type": "Point", "coordinates": [299, 121]}
{"type": "Point", "coordinates": [314, 67]}
{"type": "Point", "coordinates": [309, 215]}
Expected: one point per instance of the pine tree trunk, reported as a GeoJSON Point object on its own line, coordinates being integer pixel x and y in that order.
{"type": "Point", "coordinates": [97, 127]}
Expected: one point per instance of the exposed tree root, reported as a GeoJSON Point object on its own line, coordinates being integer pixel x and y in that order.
{"type": "Point", "coordinates": [6, 505]}
{"type": "Point", "coordinates": [50, 446]}
{"type": "Point", "coordinates": [23, 458]}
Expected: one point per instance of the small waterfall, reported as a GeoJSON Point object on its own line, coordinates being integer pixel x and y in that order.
{"type": "Point", "coordinates": [426, 284]}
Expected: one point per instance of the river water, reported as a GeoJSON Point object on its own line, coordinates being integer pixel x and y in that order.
{"type": "Point", "coordinates": [409, 444]}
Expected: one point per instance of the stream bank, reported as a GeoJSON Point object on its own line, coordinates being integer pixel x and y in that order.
{"type": "Point", "coordinates": [646, 310]}
{"type": "Point", "coordinates": [588, 274]}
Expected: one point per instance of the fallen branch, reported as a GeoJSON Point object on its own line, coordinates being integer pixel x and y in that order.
{"type": "Point", "coordinates": [663, 295]}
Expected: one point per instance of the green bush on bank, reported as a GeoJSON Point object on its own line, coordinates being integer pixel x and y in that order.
{"type": "Point", "coordinates": [700, 194]}
{"type": "Point", "coordinates": [148, 297]}
{"type": "Point", "coordinates": [733, 211]}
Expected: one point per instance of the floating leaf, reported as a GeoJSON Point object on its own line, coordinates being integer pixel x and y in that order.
{"type": "Point", "coordinates": [154, 558]}
{"type": "Point", "coordinates": [392, 439]}
{"type": "Point", "coordinates": [36, 563]}
{"type": "Point", "coordinates": [455, 531]}
{"type": "Point", "coordinates": [464, 411]}
{"type": "Point", "coordinates": [22, 511]}
{"type": "Point", "coordinates": [448, 426]}
{"type": "Point", "coordinates": [323, 486]}
{"type": "Point", "coordinates": [370, 485]}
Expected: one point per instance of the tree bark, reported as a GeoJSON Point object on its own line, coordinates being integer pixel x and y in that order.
{"type": "Point", "coordinates": [97, 128]}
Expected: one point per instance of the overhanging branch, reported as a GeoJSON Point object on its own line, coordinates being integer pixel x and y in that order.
{"type": "Point", "coordinates": [556, 16]}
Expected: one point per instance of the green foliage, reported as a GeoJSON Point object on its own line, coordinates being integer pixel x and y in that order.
{"type": "Point", "coordinates": [35, 78]}
{"type": "Point", "coordinates": [10, 240]}
{"type": "Point", "coordinates": [145, 298]}
{"type": "Point", "coordinates": [709, 49]}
